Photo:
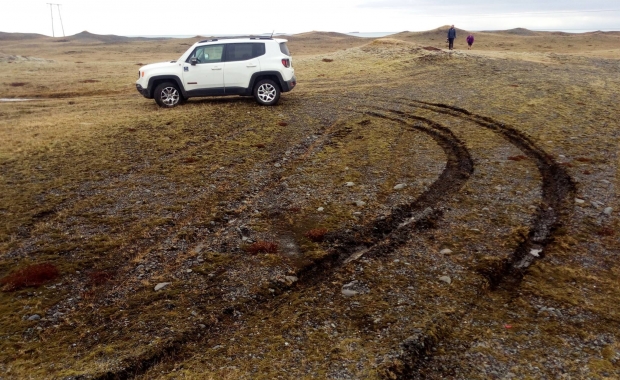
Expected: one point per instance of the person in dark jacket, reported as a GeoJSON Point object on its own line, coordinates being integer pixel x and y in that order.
{"type": "Point", "coordinates": [451, 37]}
{"type": "Point", "coordinates": [470, 41]}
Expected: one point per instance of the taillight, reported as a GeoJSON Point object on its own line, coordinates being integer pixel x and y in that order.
{"type": "Point", "coordinates": [286, 62]}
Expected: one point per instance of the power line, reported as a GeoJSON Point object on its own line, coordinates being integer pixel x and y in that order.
{"type": "Point", "coordinates": [52, 15]}
{"type": "Point", "coordinates": [59, 16]}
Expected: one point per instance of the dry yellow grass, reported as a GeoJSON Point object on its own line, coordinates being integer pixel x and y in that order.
{"type": "Point", "coordinates": [96, 179]}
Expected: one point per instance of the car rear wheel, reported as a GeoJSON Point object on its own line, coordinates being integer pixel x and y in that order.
{"type": "Point", "coordinates": [167, 95]}
{"type": "Point", "coordinates": [266, 92]}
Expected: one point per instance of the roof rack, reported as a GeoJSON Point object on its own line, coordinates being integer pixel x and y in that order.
{"type": "Point", "coordinates": [236, 37]}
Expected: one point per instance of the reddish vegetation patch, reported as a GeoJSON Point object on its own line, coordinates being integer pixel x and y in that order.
{"type": "Point", "coordinates": [189, 160]}
{"type": "Point", "coordinates": [99, 277]}
{"type": "Point", "coordinates": [581, 104]}
{"type": "Point", "coordinates": [283, 124]}
{"type": "Point", "coordinates": [328, 60]}
{"type": "Point", "coordinates": [89, 81]}
{"type": "Point", "coordinates": [513, 85]}
{"type": "Point", "coordinates": [79, 62]}
{"type": "Point", "coordinates": [431, 48]}
{"type": "Point", "coordinates": [294, 209]}
{"type": "Point", "coordinates": [583, 159]}
{"type": "Point", "coordinates": [33, 275]}
{"type": "Point", "coordinates": [262, 247]}
{"type": "Point", "coordinates": [260, 146]}
{"type": "Point", "coordinates": [606, 231]}
{"type": "Point", "coordinates": [18, 84]}
{"type": "Point", "coordinates": [517, 158]}
{"type": "Point", "coordinates": [567, 164]}
{"type": "Point", "coordinates": [131, 129]}
{"type": "Point", "coordinates": [139, 64]}
{"type": "Point", "coordinates": [316, 234]}
{"type": "Point", "coordinates": [587, 172]}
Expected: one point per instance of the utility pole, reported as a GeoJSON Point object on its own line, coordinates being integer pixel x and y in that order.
{"type": "Point", "coordinates": [59, 16]}
{"type": "Point", "coordinates": [52, 14]}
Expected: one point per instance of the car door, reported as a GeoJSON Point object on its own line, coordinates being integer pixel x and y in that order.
{"type": "Point", "coordinates": [241, 61]}
{"type": "Point", "coordinates": [203, 71]}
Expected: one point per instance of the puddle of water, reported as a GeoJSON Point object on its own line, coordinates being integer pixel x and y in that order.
{"type": "Point", "coordinates": [14, 100]}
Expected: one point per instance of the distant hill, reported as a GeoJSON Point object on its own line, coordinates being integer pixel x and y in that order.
{"type": "Point", "coordinates": [321, 35]}
{"type": "Point", "coordinates": [440, 32]}
{"type": "Point", "coordinates": [20, 36]}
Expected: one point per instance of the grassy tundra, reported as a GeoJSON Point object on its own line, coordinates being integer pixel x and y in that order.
{"type": "Point", "coordinates": [405, 212]}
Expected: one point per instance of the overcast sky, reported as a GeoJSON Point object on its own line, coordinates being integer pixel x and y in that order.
{"type": "Point", "coordinates": [210, 17]}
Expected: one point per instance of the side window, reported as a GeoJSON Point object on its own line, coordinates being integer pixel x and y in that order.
{"type": "Point", "coordinates": [243, 52]}
{"type": "Point", "coordinates": [207, 54]}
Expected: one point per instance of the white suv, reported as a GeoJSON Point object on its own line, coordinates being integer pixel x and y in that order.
{"type": "Point", "coordinates": [258, 66]}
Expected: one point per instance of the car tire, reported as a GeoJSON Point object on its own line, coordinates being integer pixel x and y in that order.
{"type": "Point", "coordinates": [167, 95]}
{"type": "Point", "coordinates": [266, 92]}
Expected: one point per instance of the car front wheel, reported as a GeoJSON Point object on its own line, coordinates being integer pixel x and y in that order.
{"type": "Point", "coordinates": [266, 92]}
{"type": "Point", "coordinates": [167, 95]}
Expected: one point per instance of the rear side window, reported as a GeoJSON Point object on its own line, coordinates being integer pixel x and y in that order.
{"type": "Point", "coordinates": [284, 49]}
{"type": "Point", "coordinates": [243, 52]}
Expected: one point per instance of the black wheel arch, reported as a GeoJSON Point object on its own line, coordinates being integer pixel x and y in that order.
{"type": "Point", "coordinates": [273, 75]}
{"type": "Point", "coordinates": [156, 80]}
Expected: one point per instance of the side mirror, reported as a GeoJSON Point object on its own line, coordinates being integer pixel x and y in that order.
{"type": "Point", "coordinates": [193, 61]}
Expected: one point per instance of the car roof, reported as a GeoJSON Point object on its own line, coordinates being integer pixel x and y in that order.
{"type": "Point", "coordinates": [240, 39]}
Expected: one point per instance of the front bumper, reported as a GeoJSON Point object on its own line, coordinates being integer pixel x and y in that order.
{"type": "Point", "coordinates": [143, 91]}
{"type": "Point", "coordinates": [289, 84]}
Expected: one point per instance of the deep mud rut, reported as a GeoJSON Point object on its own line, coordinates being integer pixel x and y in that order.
{"type": "Point", "coordinates": [379, 238]}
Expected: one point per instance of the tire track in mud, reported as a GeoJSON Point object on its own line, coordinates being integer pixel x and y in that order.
{"type": "Point", "coordinates": [378, 237]}
{"type": "Point", "coordinates": [558, 189]}
{"type": "Point", "coordinates": [384, 235]}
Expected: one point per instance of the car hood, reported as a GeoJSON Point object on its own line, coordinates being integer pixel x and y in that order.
{"type": "Point", "coordinates": [158, 65]}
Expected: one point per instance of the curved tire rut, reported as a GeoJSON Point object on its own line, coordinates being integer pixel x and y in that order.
{"type": "Point", "coordinates": [384, 235]}
{"type": "Point", "coordinates": [379, 237]}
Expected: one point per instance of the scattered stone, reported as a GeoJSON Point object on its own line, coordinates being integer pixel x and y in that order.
{"type": "Point", "coordinates": [487, 209]}
{"type": "Point", "coordinates": [189, 271]}
{"type": "Point", "coordinates": [580, 201]}
{"type": "Point", "coordinates": [357, 213]}
{"type": "Point", "coordinates": [498, 188]}
{"type": "Point", "coordinates": [161, 285]}
{"type": "Point", "coordinates": [535, 252]}
{"type": "Point", "coordinates": [445, 279]}
{"type": "Point", "coordinates": [606, 181]}
{"type": "Point", "coordinates": [360, 203]}
{"type": "Point", "coordinates": [34, 317]}
{"type": "Point", "coordinates": [608, 211]}
{"type": "Point", "coordinates": [202, 326]}
{"type": "Point", "coordinates": [350, 284]}
{"type": "Point", "coordinates": [349, 184]}
{"type": "Point", "coordinates": [445, 251]}
{"type": "Point", "coordinates": [277, 165]}
{"type": "Point", "coordinates": [349, 292]}
{"type": "Point", "coordinates": [400, 186]}
{"type": "Point", "coordinates": [291, 279]}
{"type": "Point", "coordinates": [320, 209]}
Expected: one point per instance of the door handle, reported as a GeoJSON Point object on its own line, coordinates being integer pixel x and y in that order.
{"type": "Point", "coordinates": [216, 68]}
{"type": "Point", "coordinates": [251, 66]}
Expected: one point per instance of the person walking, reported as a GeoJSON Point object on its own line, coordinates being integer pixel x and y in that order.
{"type": "Point", "coordinates": [470, 41]}
{"type": "Point", "coordinates": [451, 37]}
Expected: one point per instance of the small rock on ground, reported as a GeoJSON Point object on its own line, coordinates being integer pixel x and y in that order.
{"type": "Point", "coordinates": [34, 317]}
{"type": "Point", "coordinates": [445, 251]}
{"type": "Point", "coordinates": [161, 285]}
{"type": "Point", "coordinates": [400, 186]}
{"type": "Point", "coordinates": [445, 279]}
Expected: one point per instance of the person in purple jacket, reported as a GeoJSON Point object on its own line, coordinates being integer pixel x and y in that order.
{"type": "Point", "coordinates": [470, 41]}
